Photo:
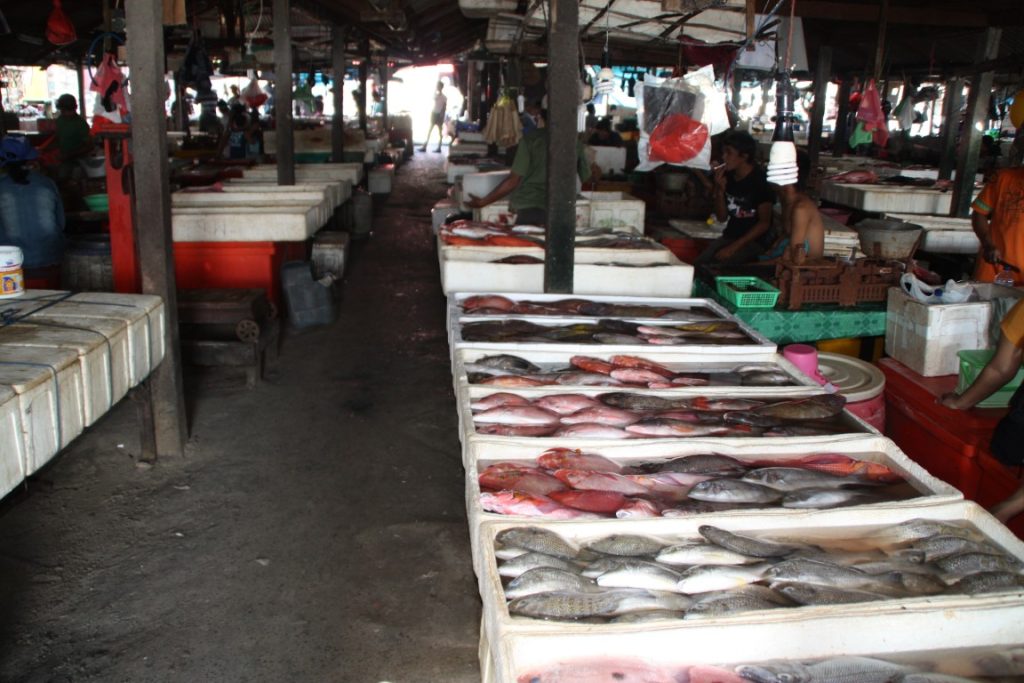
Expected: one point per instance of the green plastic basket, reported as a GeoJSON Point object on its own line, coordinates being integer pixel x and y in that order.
{"type": "Point", "coordinates": [971, 365]}
{"type": "Point", "coordinates": [97, 202]}
{"type": "Point", "coordinates": [766, 296]}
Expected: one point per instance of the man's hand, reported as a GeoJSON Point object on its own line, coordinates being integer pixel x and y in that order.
{"type": "Point", "coordinates": [991, 254]}
{"type": "Point", "coordinates": [726, 252]}
{"type": "Point", "coordinates": [950, 400]}
{"type": "Point", "coordinates": [475, 202]}
{"type": "Point", "coordinates": [595, 173]}
{"type": "Point", "coordinates": [720, 179]}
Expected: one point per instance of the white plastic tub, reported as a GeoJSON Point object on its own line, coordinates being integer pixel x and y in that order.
{"type": "Point", "coordinates": [50, 391]}
{"type": "Point", "coordinates": [926, 623]}
{"type": "Point", "coordinates": [337, 191]}
{"type": "Point", "coordinates": [886, 199]}
{"type": "Point", "coordinates": [352, 172]}
{"type": "Point", "coordinates": [454, 172]}
{"type": "Point", "coordinates": [272, 224]}
{"type": "Point", "coordinates": [12, 444]}
{"type": "Point", "coordinates": [247, 203]}
{"type": "Point", "coordinates": [944, 234]}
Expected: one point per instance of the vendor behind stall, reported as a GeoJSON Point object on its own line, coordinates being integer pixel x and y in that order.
{"type": "Point", "coordinates": [998, 221]}
{"type": "Point", "coordinates": [802, 237]}
{"type": "Point", "coordinates": [73, 139]}
{"type": "Point", "coordinates": [31, 213]}
{"type": "Point", "coordinates": [743, 198]}
{"type": "Point", "coordinates": [1008, 439]}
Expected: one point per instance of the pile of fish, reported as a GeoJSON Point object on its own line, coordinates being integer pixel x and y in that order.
{"type": "Point", "coordinates": [506, 370]}
{"type": "Point", "coordinates": [632, 578]}
{"type": "Point", "coordinates": [568, 484]}
{"type": "Point", "coordinates": [992, 666]}
{"type": "Point", "coordinates": [495, 304]}
{"type": "Point", "coordinates": [605, 331]}
{"type": "Point", "coordinates": [466, 233]}
{"type": "Point", "coordinates": [623, 415]}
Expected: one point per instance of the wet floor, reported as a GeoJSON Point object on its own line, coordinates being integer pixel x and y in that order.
{"type": "Point", "coordinates": [316, 530]}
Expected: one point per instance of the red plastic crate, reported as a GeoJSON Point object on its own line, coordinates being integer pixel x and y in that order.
{"type": "Point", "coordinates": [235, 265]}
{"type": "Point", "coordinates": [685, 249]}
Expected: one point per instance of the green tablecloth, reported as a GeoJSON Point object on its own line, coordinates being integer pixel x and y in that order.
{"type": "Point", "coordinates": [813, 323]}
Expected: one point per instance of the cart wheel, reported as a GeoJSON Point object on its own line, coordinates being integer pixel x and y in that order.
{"type": "Point", "coordinates": [248, 331]}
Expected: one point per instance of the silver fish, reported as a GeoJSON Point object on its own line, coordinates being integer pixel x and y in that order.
{"type": "Point", "coordinates": [538, 540]}
{"type": "Point", "coordinates": [626, 545]}
{"type": "Point", "coordinates": [606, 564]}
{"type": "Point", "coordinates": [517, 415]}
{"type": "Point", "coordinates": [509, 553]}
{"type": "Point", "coordinates": [640, 575]}
{"type": "Point", "coordinates": [644, 617]}
{"type": "Point", "coordinates": [819, 573]}
{"type": "Point", "coordinates": [703, 463]}
{"type": "Point", "coordinates": [822, 498]}
{"type": "Point", "coordinates": [765, 379]}
{"type": "Point", "coordinates": [917, 583]}
{"type": "Point", "coordinates": [745, 545]}
{"type": "Point", "coordinates": [701, 554]}
{"type": "Point", "coordinates": [720, 605]}
{"type": "Point", "coordinates": [570, 605]}
{"type": "Point", "coordinates": [524, 563]}
{"type": "Point", "coordinates": [941, 546]}
{"type": "Point", "coordinates": [660, 426]}
{"type": "Point", "coordinates": [932, 677]}
{"type": "Point", "coordinates": [835, 670]}
{"type": "Point", "coordinates": [794, 478]}
{"type": "Point", "coordinates": [915, 529]}
{"type": "Point", "coordinates": [733, 491]}
{"type": "Point", "coordinates": [987, 582]}
{"type": "Point", "coordinates": [507, 362]}
{"type": "Point", "coordinates": [809, 594]}
{"type": "Point", "coordinates": [545, 580]}
{"type": "Point", "coordinates": [719, 577]}
{"type": "Point", "coordinates": [973, 562]}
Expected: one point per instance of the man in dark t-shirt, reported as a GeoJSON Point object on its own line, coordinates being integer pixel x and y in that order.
{"type": "Point", "coordinates": [741, 196]}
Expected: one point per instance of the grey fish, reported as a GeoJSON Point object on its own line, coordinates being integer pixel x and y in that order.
{"type": "Point", "coordinates": [640, 575]}
{"type": "Point", "coordinates": [809, 594]}
{"type": "Point", "coordinates": [703, 579]}
{"type": "Point", "coordinates": [695, 553]}
{"type": "Point", "coordinates": [509, 553]}
{"type": "Point", "coordinates": [524, 563]}
{"type": "Point", "coordinates": [932, 677]}
{"type": "Point", "coordinates": [834, 670]}
{"type": "Point", "coordinates": [720, 605]}
{"type": "Point", "coordinates": [799, 430]}
{"type": "Point", "coordinates": [507, 362]}
{"type": "Point", "coordinates": [702, 463]}
{"type": "Point", "coordinates": [628, 401]}
{"type": "Point", "coordinates": [701, 507]}
{"type": "Point", "coordinates": [794, 478]}
{"type": "Point", "coordinates": [765, 379]}
{"type": "Point", "coordinates": [644, 617]}
{"type": "Point", "coordinates": [745, 545]}
{"type": "Point", "coordinates": [733, 491]}
{"type": "Point", "coordinates": [820, 407]}
{"type": "Point", "coordinates": [605, 564]}
{"type": "Point", "coordinates": [571, 605]}
{"type": "Point", "coordinates": [538, 540]}
{"type": "Point", "coordinates": [822, 498]}
{"type": "Point", "coordinates": [626, 545]}
{"type": "Point", "coordinates": [617, 338]}
{"type": "Point", "coordinates": [973, 562]}
{"type": "Point", "coordinates": [942, 545]}
{"type": "Point", "coordinates": [987, 582]}
{"type": "Point", "coordinates": [915, 529]}
{"type": "Point", "coordinates": [917, 583]}
{"type": "Point", "coordinates": [547, 579]}
{"type": "Point", "coordinates": [819, 573]}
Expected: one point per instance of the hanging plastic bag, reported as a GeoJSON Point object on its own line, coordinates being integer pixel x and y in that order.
{"type": "Point", "coordinates": [252, 94]}
{"type": "Point", "coordinates": [662, 101]}
{"type": "Point", "coordinates": [109, 82]}
{"type": "Point", "coordinates": [677, 139]}
{"type": "Point", "coordinates": [59, 29]}
{"type": "Point", "coordinates": [869, 111]}
{"type": "Point", "coordinates": [196, 68]}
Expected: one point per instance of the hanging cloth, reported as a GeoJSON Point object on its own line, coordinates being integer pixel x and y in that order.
{"type": "Point", "coordinates": [59, 29]}
{"type": "Point", "coordinates": [869, 112]}
{"type": "Point", "coordinates": [904, 112]}
{"type": "Point", "coordinates": [196, 69]}
{"type": "Point", "coordinates": [109, 82]}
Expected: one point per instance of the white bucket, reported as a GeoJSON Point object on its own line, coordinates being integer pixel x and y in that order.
{"type": "Point", "coordinates": [12, 280]}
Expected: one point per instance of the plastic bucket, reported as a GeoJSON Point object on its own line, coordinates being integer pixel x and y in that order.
{"type": "Point", "coordinates": [12, 279]}
{"type": "Point", "coordinates": [860, 382]}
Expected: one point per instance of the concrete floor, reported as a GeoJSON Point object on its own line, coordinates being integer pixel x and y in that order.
{"type": "Point", "coordinates": [315, 532]}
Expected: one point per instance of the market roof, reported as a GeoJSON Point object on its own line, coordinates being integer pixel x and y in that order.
{"type": "Point", "coordinates": [922, 35]}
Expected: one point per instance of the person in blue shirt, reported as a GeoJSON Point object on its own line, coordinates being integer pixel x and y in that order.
{"type": "Point", "coordinates": [31, 211]}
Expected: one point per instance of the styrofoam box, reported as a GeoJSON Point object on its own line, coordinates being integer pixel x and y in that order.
{"type": "Point", "coordinates": [245, 203]}
{"type": "Point", "coordinates": [338, 191]}
{"type": "Point", "coordinates": [870, 448]}
{"type": "Point", "coordinates": [487, 669]}
{"type": "Point", "coordinates": [12, 443]}
{"type": "Point", "coordinates": [700, 306]}
{"type": "Point", "coordinates": [470, 136]}
{"type": "Point", "coordinates": [253, 225]}
{"type": "Point", "coordinates": [380, 180]}
{"type": "Point", "coordinates": [611, 159]}
{"type": "Point", "coordinates": [663, 280]}
{"type": "Point", "coordinates": [883, 199]}
{"type": "Point", "coordinates": [926, 338]}
{"type": "Point", "coordinates": [94, 356]}
{"type": "Point", "coordinates": [352, 172]}
{"type": "Point", "coordinates": [462, 148]}
{"type": "Point", "coordinates": [924, 623]}
{"type": "Point", "coordinates": [441, 211]}
{"type": "Point", "coordinates": [50, 401]}
{"type": "Point", "coordinates": [454, 172]}
{"type": "Point", "coordinates": [582, 253]}
{"type": "Point", "coordinates": [481, 184]}
{"type": "Point", "coordinates": [944, 234]}
{"type": "Point", "coordinates": [593, 209]}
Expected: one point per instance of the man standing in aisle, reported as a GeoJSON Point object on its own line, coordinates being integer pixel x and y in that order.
{"type": "Point", "coordinates": [741, 196]}
{"type": "Point", "coordinates": [998, 221]}
{"type": "Point", "coordinates": [437, 117]}
{"type": "Point", "coordinates": [73, 138]}
{"type": "Point", "coordinates": [527, 183]}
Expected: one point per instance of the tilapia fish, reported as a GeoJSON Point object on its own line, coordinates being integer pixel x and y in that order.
{"type": "Point", "coordinates": [523, 563]}
{"type": "Point", "coordinates": [647, 575]}
{"type": "Point", "coordinates": [506, 362]}
{"type": "Point", "coordinates": [745, 545]}
{"type": "Point", "coordinates": [569, 605]}
{"type": "Point", "coordinates": [821, 407]}
{"type": "Point", "coordinates": [538, 540]}
{"type": "Point", "coordinates": [626, 545]}
{"type": "Point", "coordinates": [546, 580]}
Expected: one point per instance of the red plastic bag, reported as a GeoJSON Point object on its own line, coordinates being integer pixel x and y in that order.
{"type": "Point", "coordinates": [678, 138]}
{"type": "Point", "coordinates": [870, 112]}
{"type": "Point", "coordinates": [59, 29]}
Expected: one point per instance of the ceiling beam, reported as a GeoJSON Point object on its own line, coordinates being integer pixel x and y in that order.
{"type": "Point", "coordinates": [933, 16]}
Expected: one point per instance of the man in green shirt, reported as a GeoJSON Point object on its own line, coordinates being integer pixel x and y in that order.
{"type": "Point", "coordinates": [526, 185]}
{"type": "Point", "coordinates": [73, 138]}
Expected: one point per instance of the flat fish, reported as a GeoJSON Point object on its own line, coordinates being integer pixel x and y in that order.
{"type": "Point", "coordinates": [537, 540]}
{"type": "Point", "coordinates": [745, 545]}
{"type": "Point", "coordinates": [734, 491]}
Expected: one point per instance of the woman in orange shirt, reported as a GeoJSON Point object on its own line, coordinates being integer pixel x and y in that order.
{"type": "Point", "coordinates": [998, 221]}
{"type": "Point", "coordinates": [1008, 439]}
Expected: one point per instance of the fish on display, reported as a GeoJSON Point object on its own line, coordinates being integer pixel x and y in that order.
{"type": "Point", "coordinates": [531, 560]}
{"type": "Point", "coordinates": [592, 430]}
{"type": "Point", "coordinates": [734, 491]}
{"type": "Point", "coordinates": [794, 478]}
{"type": "Point", "coordinates": [646, 575]}
{"type": "Point", "coordinates": [711, 464]}
{"type": "Point", "coordinates": [745, 545]}
{"type": "Point", "coordinates": [628, 545]}
{"type": "Point", "coordinates": [506, 362]}
{"type": "Point", "coordinates": [666, 427]}
{"type": "Point", "coordinates": [694, 553]}
{"type": "Point", "coordinates": [538, 540]}
{"type": "Point", "coordinates": [547, 579]}
{"type": "Point", "coordinates": [835, 670]}
{"type": "Point", "coordinates": [820, 407]}
{"type": "Point", "coordinates": [606, 670]}
{"type": "Point", "coordinates": [567, 458]}
{"type": "Point", "coordinates": [706, 578]}
{"type": "Point", "coordinates": [517, 415]}
{"type": "Point", "coordinates": [820, 498]}
{"type": "Point", "coordinates": [527, 505]}
{"type": "Point", "coordinates": [498, 429]}
{"type": "Point", "coordinates": [569, 605]}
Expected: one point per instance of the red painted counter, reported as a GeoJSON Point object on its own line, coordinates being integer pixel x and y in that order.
{"type": "Point", "coordinates": [235, 265]}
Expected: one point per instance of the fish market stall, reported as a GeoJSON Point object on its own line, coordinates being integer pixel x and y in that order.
{"type": "Point", "coordinates": [715, 584]}
{"type": "Point", "coordinates": [593, 209]}
{"type": "Point", "coordinates": [65, 360]}
{"type": "Point", "coordinates": [943, 234]}
{"type": "Point", "coordinates": [317, 141]}
{"type": "Point", "coordinates": [888, 199]}
{"type": "Point", "coordinates": [351, 172]}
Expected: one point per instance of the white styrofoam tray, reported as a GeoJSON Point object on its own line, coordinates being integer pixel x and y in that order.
{"type": "Point", "coordinates": [49, 386]}
{"type": "Point", "coordinates": [246, 203]}
{"type": "Point", "coordinates": [338, 191]}
{"type": "Point", "coordinates": [593, 209]}
{"type": "Point", "coordinates": [455, 171]}
{"type": "Point", "coordinates": [800, 632]}
{"type": "Point", "coordinates": [278, 224]}
{"type": "Point", "coordinates": [352, 172]}
{"type": "Point", "coordinates": [868, 447]}
{"type": "Point", "coordinates": [943, 234]}
{"type": "Point", "coordinates": [12, 442]}
{"type": "Point", "coordinates": [582, 253]}
{"type": "Point", "coordinates": [94, 356]}
{"type": "Point", "coordinates": [886, 199]}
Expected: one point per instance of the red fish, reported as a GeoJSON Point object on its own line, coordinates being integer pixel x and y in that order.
{"type": "Point", "coordinates": [493, 301]}
{"type": "Point", "coordinates": [590, 430]}
{"type": "Point", "coordinates": [639, 508]}
{"type": "Point", "coordinates": [512, 381]}
{"type": "Point", "coordinates": [704, 403]}
{"type": "Point", "coordinates": [637, 375]}
{"type": "Point", "coordinates": [603, 670]}
{"type": "Point", "coordinates": [587, 379]}
{"type": "Point", "coordinates": [605, 502]}
{"type": "Point", "coordinates": [642, 363]}
{"type": "Point", "coordinates": [515, 430]}
{"type": "Point", "coordinates": [566, 404]}
{"type": "Point", "coordinates": [713, 674]}
{"type": "Point", "coordinates": [586, 480]}
{"type": "Point", "coordinates": [603, 415]}
{"type": "Point", "coordinates": [567, 458]}
{"type": "Point", "coordinates": [592, 364]}
{"type": "Point", "coordinates": [528, 505]}
{"type": "Point", "coordinates": [508, 241]}
{"type": "Point", "coordinates": [516, 415]}
{"type": "Point", "coordinates": [665, 485]}
{"type": "Point", "coordinates": [527, 479]}
{"type": "Point", "coordinates": [499, 399]}
{"type": "Point", "coordinates": [845, 466]}
{"type": "Point", "coordinates": [458, 241]}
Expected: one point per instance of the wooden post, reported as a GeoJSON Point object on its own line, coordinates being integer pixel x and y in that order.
{"type": "Point", "coordinates": [821, 80]}
{"type": "Point", "coordinates": [472, 91]}
{"type": "Point", "coordinates": [951, 103]}
{"type": "Point", "coordinates": [363, 69]}
{"type": "Point", "coordinates": [970, 137]}
{"type": "Point", "coordinates": [737, 91]}
{"type": "Point", "coordinates": [883, 20]}
{"type": "Point", "coordinates": [385, 77]}
{"type": "Point", "coordinates": [152, 198]}
{"type": "Point", "coordinates": [841, 138]}
{"type": "Point", "coordinates": [563, 98]}
{"type": "Point", "coordinates": [82, 109]}
{"type": "Point", "coordinates": [283, 113]}
{"type": "Point", "coordinates": [338, 122]}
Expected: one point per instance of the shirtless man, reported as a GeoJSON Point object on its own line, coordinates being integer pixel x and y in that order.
{"type": "Point", "coordinates": [802, 237]}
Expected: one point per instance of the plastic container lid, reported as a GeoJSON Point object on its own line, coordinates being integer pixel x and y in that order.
{"type": "Point", "coordinates": [857, 380]}
{"type": "Point", "coordinates": [10, 256]}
